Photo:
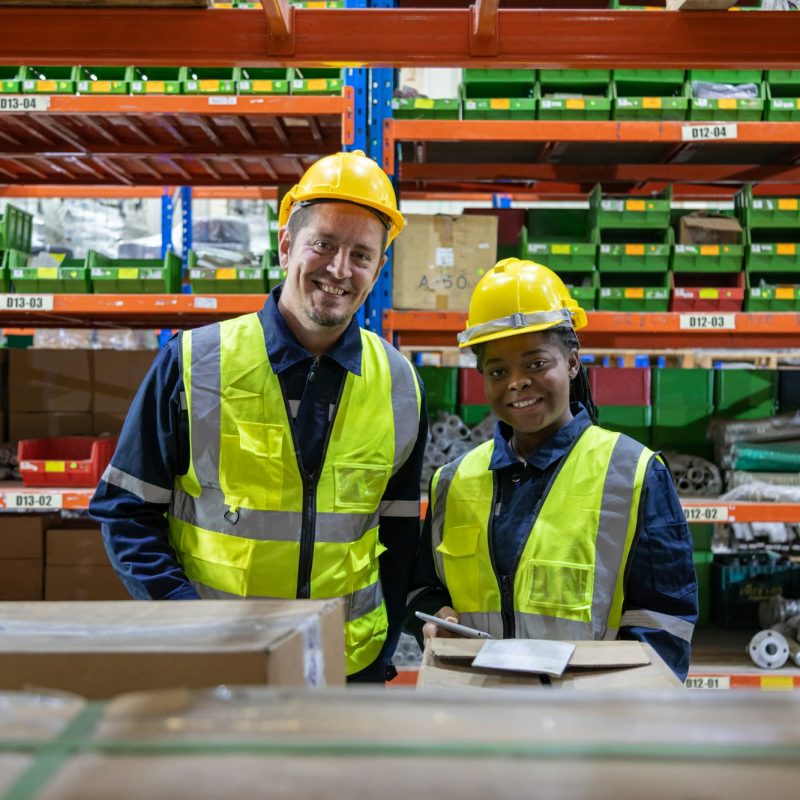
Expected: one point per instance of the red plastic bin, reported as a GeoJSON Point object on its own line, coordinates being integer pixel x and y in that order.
{"type": "Point", "coordinates": [707, 292]}
{"type": "Point", "coordinates": [620, 386]}
{"type": "Point", "coordinates": [64, 460]}
{"type": "Point", "coordinates": [470, 387]}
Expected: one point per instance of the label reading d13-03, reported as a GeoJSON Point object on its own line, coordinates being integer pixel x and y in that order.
{"type": "Point", "coordinates": [26, 302]}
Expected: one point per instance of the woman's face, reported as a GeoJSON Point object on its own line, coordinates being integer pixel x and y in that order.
{"type": "Point", "coordinates": [527, 379]}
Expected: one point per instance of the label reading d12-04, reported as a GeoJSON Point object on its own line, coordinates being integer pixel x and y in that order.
{"type": "Point", "coordinates": [26, 302]}
{"type": "Point", "coordinates": [709, 131]}
{"type": "Point", "coordinates": [708, 322]}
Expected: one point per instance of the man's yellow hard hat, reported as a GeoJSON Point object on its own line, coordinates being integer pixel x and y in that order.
{"type": "Point", "coordinates": [349, 177]}
{"type": "Point", "coordinates": [517, 296]}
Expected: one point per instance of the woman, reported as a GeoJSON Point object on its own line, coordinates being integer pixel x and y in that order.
{"type": "Point", "coordinates": [557, 528]}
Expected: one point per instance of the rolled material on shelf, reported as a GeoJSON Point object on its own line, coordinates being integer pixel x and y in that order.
{"type": "Point", "coordinates": [770, 429]}
{"type": "Point", "coordinates": [736, 478]}
{"type": "Point", "coordinates": [781, 456]}
{"type": "Point", "coordinates": [760, 491]}
{"type": "Point", "coordinates": [694, 476]}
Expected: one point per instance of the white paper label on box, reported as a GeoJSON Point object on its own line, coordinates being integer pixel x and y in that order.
{"type": "Point", "coordinates": [26, 302]}
{"type": "Point", "coordinates": [706, 513]}
{"type": "Point", "coordinates": [23, 501]}
{"type": "Point", "coordinates": [708, 322]}
{"type": "Point", "coordinates": [612, 205]}
{"type": "Point", "coordinates": [445, 257]}
{"type": "Point", "coordinates": [525, 655]}
{"type": "Point", "coordinates": [22, 103]}
{"type": "Point", "coordinates": [711, 130]}
{"type": "Point", "coordinates": [205, 302]}
{"type": "Point", "coordinates": [708, 682]}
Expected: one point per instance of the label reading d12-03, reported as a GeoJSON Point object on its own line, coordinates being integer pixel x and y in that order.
{"type": "Point", "coordinates": [709, 131]}
{"type": "Point", "coordinates": [26, 302]}
{"type": "Point", "coordinates": [708, 322]}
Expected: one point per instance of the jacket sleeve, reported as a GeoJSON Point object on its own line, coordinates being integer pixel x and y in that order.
{"type": "Point", "coordinates": [135, 492]}
{"type": "Point", "coordinates": [660, 605]}
{"type": "Point", "coordinates": [399, 531]}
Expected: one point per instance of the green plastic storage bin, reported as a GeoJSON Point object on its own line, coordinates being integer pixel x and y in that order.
{"type": "Point", "coordinates": [673, 386]}
{"type": "Point", "coordinates": [783, 95]}
{"type": "Point", "coordinates": [134, 276]}
{"type": "Point", "coordinates": [9, 258]}
{"type": "Point", "coordinates": [425, 108]}
{"type": "Point", "coordinates": [650, 94]}
{"type": "Point", "coordinates": [315, 3]}
{"type": "Point", "coordinates": [275, 277]}
{"type": "Point", "coordinates": [71, 276]}
{"type": "Point", "coordinates": [633, 257]}
{"type": "Point", "coordinates": [634, 421]}
{"type": "Point", "coordinates": [702, 536]}
{"type": "Point", "coordinates": [574, 94]}
{"type": "Point", "coordinates": [727, 109]}
{"type": "Point", "coordinates": [211, 80]}
{"type": "Point", "coordinates": [10, 80]}
{"type": "Point", "coordinates": [703, 560]}
{"type": "Point", "coordinates": [316, 81]}
{"type": "Point", "coordinates": [583, 286]}
{"type": "Point", "coordinates": [441, 388]}
{"type": "Point", "coordinates": [103, 80]}
{"type": "Point", "coordinates": [475, 414]}
{"type": "Point", "coordinates": [682, 427]}
{"type": "Point", "coordinates": [771, 292]}
{"type": "Point", "coordinates": [16, 228]}
{"type": "Point", "coordinates": [500, 108]}
{"type": "Point", "coordinates": [768, 212]}
{"type": "Point", "coordinates": [704, 258]}
{"type": "Point", "coordinates": [560, 257]}
{"type": "Point", "coordinates": [158, 80]}
{"type": "Point", "coordinates": [264, 80]}
{"type": "Point", "coordinates": [228, 280]}
{"type": "Point", "coordinates": [627, 292]}
{"type": "Point", "coordinates": [746, 393]}
{"type": "Point", "coordinates": [559, 226]}
{"type": "Point", "coordinates": [498, 83]}
{"type": "Point", "coordinates": [274, 229]}
{"type": "Point", "coordinates": [774, 257]}
{"type": "Point", "coordinates": [650, 213]}
{"type": "Point", "coordinates": [568, 79]}
{"type": "Point", "coordinates": [48, 80]}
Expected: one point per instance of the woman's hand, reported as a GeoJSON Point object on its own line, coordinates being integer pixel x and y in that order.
{"type": "Point", "coordinates": [429, 629]}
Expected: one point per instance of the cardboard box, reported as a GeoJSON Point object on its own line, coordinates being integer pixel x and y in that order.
{"type": "Point", "coordinates": [117, 376]}
{"type": "Point", "coordinates": [439, 259]}
{"type": "Point", "coordinates": [447, 663]}
{"type": "Point", "coordinates": [22, 425]}
{"type": "Point", "coordinates": [21, 579]}
{"type": "Point", "coordinates": [50, 380]}
{"type": "Point", "coordinates": [83, 582]}
{"type": "Point", "coordinates": [72, 546]}
{"type": "Point", "coordinates": [698, 228]}
{"type": "Point", "coordinates": [107, 424]}
{"type": "Point", "coordinates": [22, 536]}
{"type": "Point", "coordinates": [101, 649]}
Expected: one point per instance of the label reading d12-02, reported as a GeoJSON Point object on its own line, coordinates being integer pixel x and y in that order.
{"type": "Point", "coordinates": [708, 322]}
{"type": "Point", "coordinates": [26, 302]}
{"type": "Point", "coordinates": [709, 131]}
{"type": "Point", "coordinates": [706, 513]}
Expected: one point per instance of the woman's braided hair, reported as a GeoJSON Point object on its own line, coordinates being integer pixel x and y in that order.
{"type": "Point", "coordinates": [579, 386]}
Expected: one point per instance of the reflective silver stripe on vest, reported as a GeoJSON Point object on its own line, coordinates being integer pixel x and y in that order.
{"type": "Point", "coordinates": [148, 492]}
{"type": "Point", "coordinates": [399, 508]}
{"type": "Point", "coordinates": [446, 475]}
{"type": "Point", "coordinates": [357, 605]}
{"type": "Point", "coordinates": [528, 626]}
{"type": "Point", "coordinates": [206, 400]}
{"type": "Point", "coordinates": [612, 529]}
{"type": "Point", "coordinates": [208, 513]}
{"type": "Point", "coordinates": [404, 398]}
{"type": "Point", "coordinates": [641, 618]}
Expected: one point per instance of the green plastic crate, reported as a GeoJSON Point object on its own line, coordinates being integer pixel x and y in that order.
{"type": "Point", "coordinates": [771, 292]}
{"type": "Point", "coordinates": [16, 228]}
{"type": "Point", "coordinates": [786, 81]}
{"type": "Point", "coordinates": [634, 80]}
{"type": "Point", "coordinates": [583, 287]}
{"type": "Point", "coordinates": [634, 421]}
{"type": "Point", "coordinates": [275, 277]}
{"type": "Point", "coordinates": [264, 80]}
{"type": "Point", "coordinates": [650, 94]}
{"type": "Point", "coordinates": [560, 225]}
{"type": "Point", "coordinates": [704, 258]}
{"type": "Point", "coordinates": [211, 80]}
{"type": "Point", "coordinates": [651, 213]}
{"type": "Point", "coordinates": [575, 108]}
{"type": "Point", "coordinates": [134, 276]}
{"type": "Point", "coordinates": [579, 257]}
{"type": "Point", "coordinates": [734, 76]}
{"type": "Point", "coordinates": [773, 257]}
{"type": "Point", "coordinates": [473, 415]}
{"type": "Point", "coordinates": [425, 108]}
{"type": "Point", "coordinates": [157, 80]}
{"type": "Point", "coordinates": [702, 536]}
{"type": "Point", "coordinates": [71, 276]}
{"type": "Point", "coordinates": [727, 109]}
{"type": "Point", "coordinates": [746, 393]}
{"type": "Point", "coordinates": [768, 212]}
{"type": "Point", "coordinates": [48, 80]}
{"type": "Point", "coordinates": [441, 388]}
{"type": "Point", "coordinates": [782, 109]}
{"type": "Point", "coordinates": [633, 257]}
{"type": "Point", "coordinates": [783, 95]}
{"type": "Point", "coordinates": [317, 86]}
{"type": "Point", "coordinates": [103, 80]}
{"type": "Point", "coordinates": [672, 386]}
{"type": "Point", "coordinates": [315, 3]}
{"type": "Point", "coordinates": [500, 108]}
{"type": "Point", "coordinates": [498, 83]}
{"type": "Point", "coordinates": [228, 280]}
{"type": "Point", "coordinates": [9, 258]}
{"type": "Point", "coordinates": [626, 292]}
{"type": "Point", "coordinates": [703, 560]}
{"type": "Point", "coordinates": [566, 79]}
{"type": "Point", "coordinates": [273, 227]}
{"type": "Point", "coordinates": [682, 427]}
{"type": "Point", "coordinates": [10, 80]}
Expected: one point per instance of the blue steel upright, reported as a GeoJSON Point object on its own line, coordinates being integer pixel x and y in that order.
{"type": "Point", "coordinates": [166, 222]}
{"type": "Point", "coordinates": [186, 223]}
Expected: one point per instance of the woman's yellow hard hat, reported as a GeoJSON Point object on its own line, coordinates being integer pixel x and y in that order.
{"type": "Point", "coordinates": [515, 297]}
{"type": "Point", "coordinates": [351, 178]}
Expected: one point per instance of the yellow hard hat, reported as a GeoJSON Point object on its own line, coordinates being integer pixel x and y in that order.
{"type": "Point", "coordinates": [350, 177]}
{"type": "Point", "coordinates": [517, 296]}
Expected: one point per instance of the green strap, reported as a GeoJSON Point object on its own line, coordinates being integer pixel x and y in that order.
{"type": "Point", "coordinates": [50, 756]}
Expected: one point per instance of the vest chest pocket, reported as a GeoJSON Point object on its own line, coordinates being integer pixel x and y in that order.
{"type": "Point", "coordinates": [462, 568]}
{"type": "Point", "coordinates": [359, 487]}
{"type": "Point", "coordinates": [558, 589]}
{"type": "Point", "coordinates": [250, 466]}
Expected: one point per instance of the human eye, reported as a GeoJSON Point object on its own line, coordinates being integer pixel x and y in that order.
{"type": "Point", "coordinates": [497, 372]}
{"type": "Point", "coordinates": [323, 246]}
{"type": "Point", "coordinates": [538, 363]}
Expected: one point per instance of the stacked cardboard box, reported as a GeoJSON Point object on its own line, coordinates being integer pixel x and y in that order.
{"type": "Point", "coordinates": [21, 550]}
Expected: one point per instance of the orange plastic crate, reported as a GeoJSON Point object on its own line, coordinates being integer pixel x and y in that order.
{"type": "Point", "coordinates": [65, 460]}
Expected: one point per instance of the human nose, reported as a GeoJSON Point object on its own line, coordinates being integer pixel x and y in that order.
{"type": "Point", "coordinates": [519, 381]}
{"type": "Point", "coordinates": [339, 265]}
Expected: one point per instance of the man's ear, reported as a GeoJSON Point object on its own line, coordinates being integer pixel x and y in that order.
{"type": "Point", "coordinates": [284, 246]}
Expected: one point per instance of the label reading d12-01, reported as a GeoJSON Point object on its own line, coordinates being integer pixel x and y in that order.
{"type": "Point", "coordinates": [709, 131]}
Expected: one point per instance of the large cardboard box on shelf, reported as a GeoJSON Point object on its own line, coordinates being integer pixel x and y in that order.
{"type": "Point", "coordinates": [99, 649]}
{"type": "Point", "coordinates": [50, 380]}
{"type": "Point", "coordinates": [700, 228]}
{"type": "Point", "coordinates": [438, 259]}
{"type": "Point", "coordinates": [117, 376]}
{"type": "Point", "coordinates": [447, 663]}
{"type": "Point", "coordinates": [43, 425]}
{"type": "Point", "coordinates": [21, 556]}
{"type": "Point", "coordinates": [77, 567]}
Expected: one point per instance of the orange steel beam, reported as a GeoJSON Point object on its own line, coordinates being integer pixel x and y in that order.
{"type": "Point", "coordinates": [602, 173]}
{"type": "Point", "coordinates": [483, 39]}
{"type": "Point", "coordinates": [280, 21]}
{"type": "Point", "coordinates": [83, 191]}
{"type": "Point", "coordinates": [401, 37]}
{"type": "Point", "coordinates": [610, 329]}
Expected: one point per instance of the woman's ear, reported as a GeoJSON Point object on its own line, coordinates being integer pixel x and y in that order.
{"type": "Point", "coordinates": [574, 364]}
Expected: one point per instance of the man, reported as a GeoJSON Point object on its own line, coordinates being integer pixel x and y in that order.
{"type": "Point", "coordinates": [278, 454]}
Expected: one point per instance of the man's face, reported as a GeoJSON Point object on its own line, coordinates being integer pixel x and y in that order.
{"type": "Point", "coordinates": [331, 264]}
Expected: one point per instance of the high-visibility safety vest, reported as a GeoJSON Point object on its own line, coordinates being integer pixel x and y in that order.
{"type": "Point", "coordinates": [246, 521]}
{"type": "Point", "coordinates": [568, 582]}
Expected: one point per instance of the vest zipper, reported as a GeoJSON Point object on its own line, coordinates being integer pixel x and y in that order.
{"type": "Point", "coordinates": [504, 581]}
